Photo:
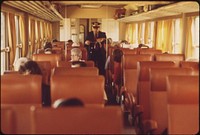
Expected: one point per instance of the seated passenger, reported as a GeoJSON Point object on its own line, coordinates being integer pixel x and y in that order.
{"type": "Point", "coordinates": [117, 76]}
{"type": "Point", "coordinates": [48, 48]}
{"type": "Point", "coordinates": [143, 46]}
{"type": "Point", "coordinates": [20, 62]}
{"type": "Point", "coordinates": [31, 67]}
{"type": "Point", "coordinates": [72, 102]}
{"type": "Point", "coordinates": [69, 43]}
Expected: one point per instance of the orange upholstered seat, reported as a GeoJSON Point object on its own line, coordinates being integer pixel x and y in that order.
{"type": "Point", "coordinates": [15, 118]}
{"type": "Point", "coordinates": [77, 120]}
{"type": "Point", "coordinates": [158, 94]}
{"type": "Point", "coordinates": [90, 89]}
{"type": "Point", "coordinates": [53, 58]}
{"type": "Point", "coordinates": [170, 57]}
{"type": "Point", "coordinates": [191, 64]}
{"type": "Point", "coordinates": [45, 67]}
{"type": "Point", "coordinates": [144, 82]}
{"type": "Point", "coordinates": [130, 60]}
{"type": "Point", "coordinates": [183, 104]}
{"type": "Point", "coordinates": [21, 89]}
{"type": "Point", "coordinates": [85, 71]}
{"type": "Point", "coordinates": [7, 121]}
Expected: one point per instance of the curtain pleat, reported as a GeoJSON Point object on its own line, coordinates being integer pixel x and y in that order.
{"type": "Point", "coordinates": [11, 39]}
{"type": "Point", "coordinates": [188, 41]}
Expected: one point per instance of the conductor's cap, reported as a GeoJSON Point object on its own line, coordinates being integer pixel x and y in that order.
{"type": "Point", "coordinates": [96, 24]}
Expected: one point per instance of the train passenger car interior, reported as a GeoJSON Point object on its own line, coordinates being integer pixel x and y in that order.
{"type": "Point", "coordinates": [99, 67]}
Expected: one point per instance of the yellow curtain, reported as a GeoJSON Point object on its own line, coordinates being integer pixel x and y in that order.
{"type": "Point", "coordinates": [139, 33]}
{"type": "Point", "coordinates": [180, 47]}
{"type": "Point", "coordinates": [32, 35]}
{"type": "Point", "coordinates": [50, 31]}
{"type": "Point", "coordinates": [39, 35]}
{"type": "Point", "coordinates": [133, 33]}
{"type": "Point", "coordinates": [188, 40]}
{"type": "Point", "coordinates": [159, 35]}
{"type": "Point", "coordinates": [167, 37]}
{"type": "Point", "coordinates": [11, 39]}
{"type": "Point", "coordinates": [146, 33]}
{"type": "Point", "coordinates": [153, 38]}
{"type": "Point", "coordinates": [45, 31]}
{"type": "Point", "coordinates": [129, 33]}
{"type": "Point", "coordinates": [164, 35]}
{"type": "Point", "coordinates": [23, 36]}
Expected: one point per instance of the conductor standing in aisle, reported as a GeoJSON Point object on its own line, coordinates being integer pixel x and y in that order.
{"type": "Point", "coordinates": [95, 45]}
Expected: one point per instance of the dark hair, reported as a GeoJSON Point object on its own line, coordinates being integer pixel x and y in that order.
{"type": "Point", "coordinates": [79, 63]}
{"type": "Point", "coordinates": [71, 102]}
{"type": "Point", "coordinates": [48, 45]}
{"type": "Point", "coordinates": [143, 45]}
{"type": "Point", "coordinates": [30, 66]}
{"type": "Point", "coordinates": [117, 54]}
{"type": "Point", "coordinates": [55, 40]}
{"type": "Point", "coordinates": [70, 41]}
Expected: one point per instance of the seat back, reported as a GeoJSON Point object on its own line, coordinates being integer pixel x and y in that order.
{"type": "Point", "coordinates": [131, 81]}
{"type": "Point", "coordinates": [128, 51]}
{"type": "Point", "coordinates": [53, 58]}
{"type": "Point", "coordinates": [151, 51]}
{"type": "Point", "coordinates": [57, 50]}
{"type": "Point", "coordinates": [183, 104]}
{"type": "Point", "coordinates": [10, 72]}
{"type": "Point", "coordinates": [77, 120]}
{"type": "Point", "coordinates": [15, 118]}
{"type": "Point", "coordinates": [81, 71]}
{"type": "Point", "coordinates": [144, 82]}
{"type": "Point", "coordinates": [21, 89]}
{"type": "Point", "coordinates": [90, 89]}
{"type": "Point", "coordinates": [144, 67]}
{"type": "Point", "coordinates": [7, 121]}
{"type": "Point", "coordinates": [191, 64]}
{"type": "Point", "coordinates": [130, 60]}
{"type": "Point", "coordinates": [158, 94]}
{"type": "Point", "coordinates": [45, 67]}
{"type": "Point", "coordinates": [90, 63]}
{"type": "Point", "coordinates": [172, 57]}
{"type": "Point", "coordinates": [84, 53]}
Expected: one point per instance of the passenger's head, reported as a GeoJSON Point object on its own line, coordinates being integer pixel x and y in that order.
{"type": "Point", "coordinates": [72, 102]}
{"type": "Point", "coordinates": [69, 42]}
{"type": "Point", "coordinates": [76, 54]}
{"type": "Point", "coordinates": [20, 62]}
{"type": "Point", "coordinates": [48, 48]}
{"type": "Point", "coordinates": [30, 67]}
{"type": "Point", "coordinates": [54, 40]}
{"type": "Point", "coordinates": [117, 55]}
{"type": "Point", "coordinates": [75, 64]}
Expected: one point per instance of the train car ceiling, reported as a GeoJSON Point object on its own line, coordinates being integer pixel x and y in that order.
{"type": "Point", "coordinates": [135, 10]}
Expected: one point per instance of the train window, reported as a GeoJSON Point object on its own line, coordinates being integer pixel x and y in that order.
{"type": "Point", "coordinates": [195, 33]}
{"type": "Point", "coordinates": [3, 42]}
{"type": "Point", "coordinates": [141, 33]}
{"type": "Point", "coordinates": [176, 36]}
{"type": "Point", "coordinates": [192, 38]}
{"type": "Point", "coordinates": [149, 33]}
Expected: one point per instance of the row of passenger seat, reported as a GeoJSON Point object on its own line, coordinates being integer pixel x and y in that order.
{"type": "Point", "coordinates": [138, 82]}
{"type": "Point", "coordinates": [27, 119]}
